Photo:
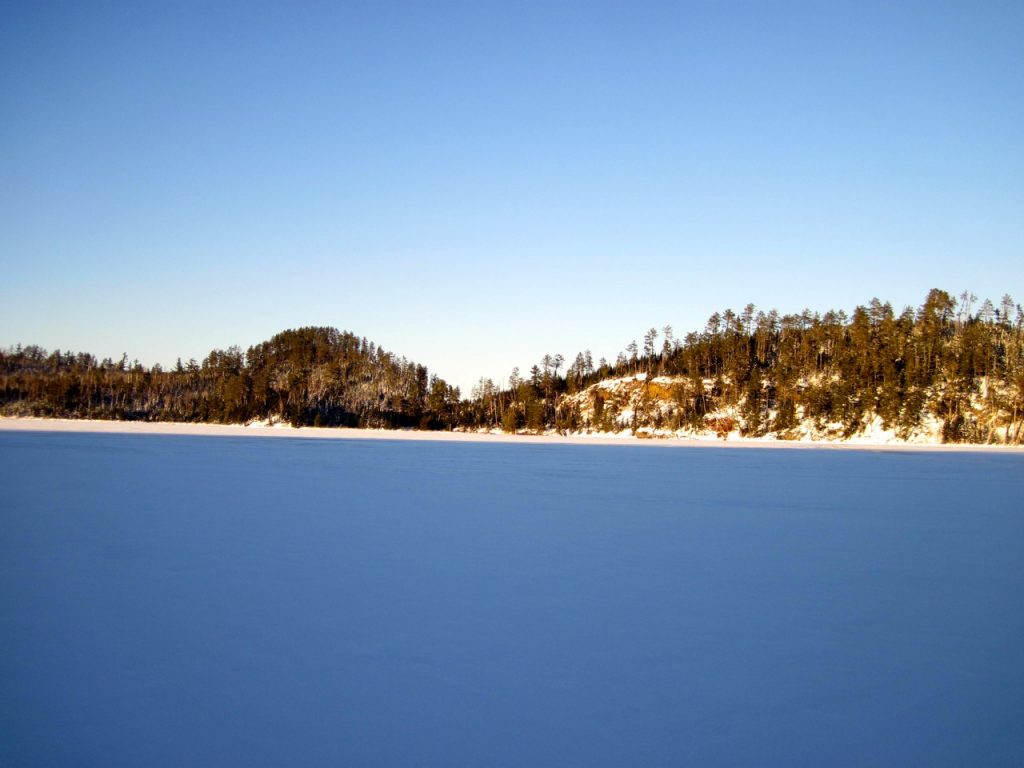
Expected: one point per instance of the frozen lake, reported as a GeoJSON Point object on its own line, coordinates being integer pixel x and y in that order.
{"type": "Point", "coordinates": [170, 601]}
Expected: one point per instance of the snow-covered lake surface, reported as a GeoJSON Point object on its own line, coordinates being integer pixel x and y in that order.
{"type": "Point", "coordinates": [172, 600]}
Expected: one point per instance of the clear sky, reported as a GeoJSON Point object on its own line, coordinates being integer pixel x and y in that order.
{"type": "Point", "coordinates": [474, 185]}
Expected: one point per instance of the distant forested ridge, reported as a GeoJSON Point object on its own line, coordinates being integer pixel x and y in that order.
{"type": "Point", "coordinates": [948, 370]}
{"type": "Point", "coordinates": [309, 376]}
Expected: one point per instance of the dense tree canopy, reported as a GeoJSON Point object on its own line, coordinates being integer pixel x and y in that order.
{"type": "Point", "coordinates": [309, 376]}
{"type": "Point", "coordinates": [943, 361]}
{"type": "Point", "coordinates": [958, 362]}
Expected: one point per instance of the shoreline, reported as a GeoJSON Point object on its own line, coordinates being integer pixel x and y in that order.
{"type": "Point", "coordinates": [96, 426]}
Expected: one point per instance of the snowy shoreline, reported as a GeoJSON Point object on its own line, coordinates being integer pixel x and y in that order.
{"type": "Point", "coordinates": [16, 424]}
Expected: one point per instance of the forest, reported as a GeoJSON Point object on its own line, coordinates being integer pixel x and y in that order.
{"type": "Point", "coordinates": [955, 364]}
{"type": "Point", "coordinates": [306, 377]}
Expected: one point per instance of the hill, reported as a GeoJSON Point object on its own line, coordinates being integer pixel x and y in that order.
{"type": "Point", "coordinates": [947, 371]}
{"type": "Point", "coordinates": [941, 373]}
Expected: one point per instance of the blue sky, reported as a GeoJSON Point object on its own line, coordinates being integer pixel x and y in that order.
{"type": "Point", "coordinates": [475, 185]}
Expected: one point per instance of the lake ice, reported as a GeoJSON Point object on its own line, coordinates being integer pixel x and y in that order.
{"type": "Point", "coordinates": [170, 601]}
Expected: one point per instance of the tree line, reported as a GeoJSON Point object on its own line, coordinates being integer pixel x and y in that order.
{"type": "Point", "coordinates": [306, 377]}
{"type": "Point", "coordinates": [958, 362]}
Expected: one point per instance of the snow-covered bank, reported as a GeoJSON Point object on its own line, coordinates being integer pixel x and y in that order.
{"type": "Point", "coordinates": [666, 406]}
{"type": "Point", "coordinates": [596, 438]}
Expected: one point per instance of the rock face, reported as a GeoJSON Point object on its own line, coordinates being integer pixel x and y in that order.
{"type": "Point", "coordinates": [676, 406]}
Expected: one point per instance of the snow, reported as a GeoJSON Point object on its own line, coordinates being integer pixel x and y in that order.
{"type": "Point", "coordinates": [181, 600]}
{"type": "Point", "coordinates": [624, 437]}
{"type": "Point", "coordinates": [640, 401]}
